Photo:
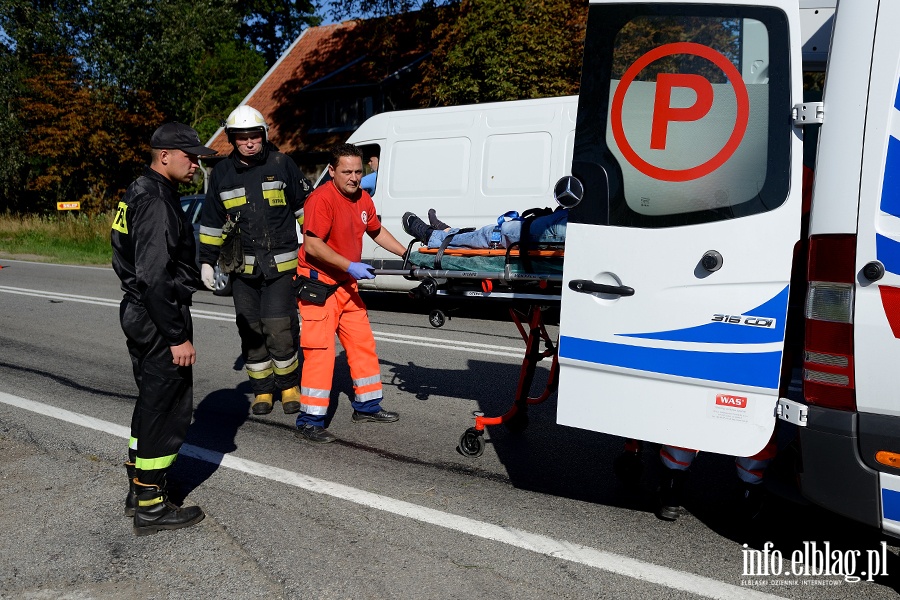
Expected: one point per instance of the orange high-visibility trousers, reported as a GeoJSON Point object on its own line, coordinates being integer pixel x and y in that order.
{"type": "Point", "coordinates": [345, 315]}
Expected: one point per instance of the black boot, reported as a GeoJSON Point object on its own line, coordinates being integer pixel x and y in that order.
{"type": "Point", "coordinates": [752, 499]}
{"type": "Point", "coordinates": [155, 513]}
{"type": "Point", "coordinates": [671, 492]}
{"type": "Point", "coordinates": [131, 498]}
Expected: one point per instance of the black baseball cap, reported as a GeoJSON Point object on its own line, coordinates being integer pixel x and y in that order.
{"type": "Point", "coordinates": [178, 136]}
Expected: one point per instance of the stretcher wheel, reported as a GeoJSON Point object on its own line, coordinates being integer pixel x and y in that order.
{"type": "Point", "coordinates": [471, 443]}
{"type": "Point", "coordinates": [437, 318]}
{"type": "Point", "coordinates": [518, 422]}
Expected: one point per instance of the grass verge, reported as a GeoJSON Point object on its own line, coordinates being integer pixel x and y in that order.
{"type": "Point", "coordinates": [67, 238]}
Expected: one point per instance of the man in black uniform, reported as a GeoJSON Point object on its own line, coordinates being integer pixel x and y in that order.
{"type": "Point", "coordinates": [260, 192]}
{"type": "Point", "coordinates": [153, 255]}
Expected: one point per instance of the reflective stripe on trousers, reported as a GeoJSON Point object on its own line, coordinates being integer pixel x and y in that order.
{"type": "Point", "coordinates": [750, 469]}
{"type": "Point", "coordinates": [344, 314]}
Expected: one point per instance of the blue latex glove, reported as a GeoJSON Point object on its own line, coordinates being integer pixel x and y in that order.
{"type": "Point", "coordinates": [361, 271]}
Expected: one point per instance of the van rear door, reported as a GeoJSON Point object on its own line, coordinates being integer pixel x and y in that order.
{"type": "Point", "coordinates": [678, 260]}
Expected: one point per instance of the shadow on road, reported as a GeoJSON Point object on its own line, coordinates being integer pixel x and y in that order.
{"type": "Point", "coordinates": [217, 419]}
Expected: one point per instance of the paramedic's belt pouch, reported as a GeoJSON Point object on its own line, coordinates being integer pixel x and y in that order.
{"type": "Point", "coordinates": [231, 255]}
{"type": "Point", "coordinates": [313, 290]}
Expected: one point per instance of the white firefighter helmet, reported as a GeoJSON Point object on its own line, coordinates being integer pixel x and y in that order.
{"type": "Point", "coordinates": [246, 118]}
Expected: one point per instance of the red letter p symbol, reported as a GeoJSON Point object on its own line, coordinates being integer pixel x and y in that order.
{"type": "Point", "coordinates": [663, 112]}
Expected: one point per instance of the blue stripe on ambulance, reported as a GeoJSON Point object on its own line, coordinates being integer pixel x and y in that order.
{"type": "Point", "coordinates": [887, 250]}
{"type": "Point", "coordinates": [757, 369]}
{"type": "Point", "coordinates": [726, 333]}
{"type": "Point", "coordinates": [890, 504]}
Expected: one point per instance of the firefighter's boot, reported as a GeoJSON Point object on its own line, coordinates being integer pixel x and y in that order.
{"type": "Point", "coordinates": [262, 404]}
{"type": "Point", "coordinates": [131, 498]}
{"type": "Point", "coordinates": [671, 493]}
{"type": "Point", "coordinates": [154, 512]}
{"type": "Point", "coordinates": [290, 400]}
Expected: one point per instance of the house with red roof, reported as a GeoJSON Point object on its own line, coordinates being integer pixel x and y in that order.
{"type": "Point", "coordinates": [334, 77]}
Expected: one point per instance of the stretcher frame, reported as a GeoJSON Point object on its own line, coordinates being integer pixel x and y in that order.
{"type": "Point", "coordinates": [527, 309]}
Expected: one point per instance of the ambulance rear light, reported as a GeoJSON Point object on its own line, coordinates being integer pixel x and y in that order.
{"type": "Point", "coordinates": [828, 361]}
{"type": "Point", "coordinates": [830, 302]}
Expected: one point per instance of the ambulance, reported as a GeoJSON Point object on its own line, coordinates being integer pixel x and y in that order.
{"type": "Point", "coordinates": [705, 263]}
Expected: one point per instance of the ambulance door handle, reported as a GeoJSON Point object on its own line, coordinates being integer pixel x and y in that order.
{"type": "Point", "coordinates": [586, 286]}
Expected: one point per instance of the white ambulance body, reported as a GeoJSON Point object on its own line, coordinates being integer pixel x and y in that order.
{"type": "Point", "coordinates": [680, 324]}
{"type": "Point", "coordinates": [470, 163]}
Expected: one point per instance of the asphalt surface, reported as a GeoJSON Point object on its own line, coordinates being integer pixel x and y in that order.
{"type": "Point", "coordinates": [388, 511]}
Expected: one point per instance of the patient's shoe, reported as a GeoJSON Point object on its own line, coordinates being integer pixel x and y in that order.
{"type": "Point", "coordinates": [416, 227]}
{"type": "Point", "coordinates": [435, 222]}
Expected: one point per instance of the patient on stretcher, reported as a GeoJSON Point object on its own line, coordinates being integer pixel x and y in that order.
{"type": "Point", "coordinates": [545, 229]}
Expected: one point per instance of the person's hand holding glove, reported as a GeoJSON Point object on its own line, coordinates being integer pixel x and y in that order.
{"type": "Point", "coordinates": [208, 276]}
{"type": "Point", "coordinates": [361, 271]}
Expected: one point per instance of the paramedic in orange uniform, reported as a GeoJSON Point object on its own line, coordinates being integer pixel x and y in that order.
{"type": "Point", "coordinates": [336, 216]}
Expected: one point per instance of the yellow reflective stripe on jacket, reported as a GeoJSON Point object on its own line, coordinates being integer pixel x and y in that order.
{"type": "Point", "coordinates": [232, 198]}
{"type": "Point", "coordinates": [120, 223]}
{"type": "Point", "coordinates": [211, 236]}
{"type": "Point", "coordinates": [249, 264]}
{"type": "Point", "coordinates": [273, 191]}
{"type": "Point", "coordinates": [285, 261]}
{"type": "Point", "coordinates": [153, 464]}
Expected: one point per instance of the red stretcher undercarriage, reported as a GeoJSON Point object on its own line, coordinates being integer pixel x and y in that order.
{"type": "Point", "coordinates": [529, 283]}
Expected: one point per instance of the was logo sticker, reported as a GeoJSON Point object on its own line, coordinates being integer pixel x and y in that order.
{"type": "Point", "coordinates": [731, 400]}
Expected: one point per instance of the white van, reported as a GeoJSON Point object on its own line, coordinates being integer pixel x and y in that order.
{"type": "Point", "coordinates": [690, 153]}
{"type": "Point", "coordinates": [470, 163]}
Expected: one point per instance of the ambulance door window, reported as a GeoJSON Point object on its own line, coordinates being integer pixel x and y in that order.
{"type": "Point", "coordinates": [682, 108]}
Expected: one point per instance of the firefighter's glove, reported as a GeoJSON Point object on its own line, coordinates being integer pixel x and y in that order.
{"type": "Point", "coordinates": [208, 276]}
{"type": "Point", "coordinates": [361, 271]}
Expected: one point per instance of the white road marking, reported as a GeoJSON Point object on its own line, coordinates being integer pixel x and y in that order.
{"type": "Point", "coordinates": [383, 336]}
{"type": "Point", "coordinates": [540, 544]}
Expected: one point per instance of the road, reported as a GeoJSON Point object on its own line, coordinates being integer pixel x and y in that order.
{"type": "Point", "coordinates": [388, 511]}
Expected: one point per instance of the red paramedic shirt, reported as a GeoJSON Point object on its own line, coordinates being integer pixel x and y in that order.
{"type": "Point", "coordinates": [340, 222]}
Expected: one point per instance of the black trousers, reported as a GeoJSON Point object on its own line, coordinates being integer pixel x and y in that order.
{"type": "Point", "coordinates": [269, 325]}
{"type": "Point", "coordinates": [164, 406]}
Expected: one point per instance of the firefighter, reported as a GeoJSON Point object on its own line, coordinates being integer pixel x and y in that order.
{"type": "Point", "coordinates": [153, 254]}
{"type": "Point", "coordinates": [253, 204]}
{"type": "Point", "coordinates": [338, 213]}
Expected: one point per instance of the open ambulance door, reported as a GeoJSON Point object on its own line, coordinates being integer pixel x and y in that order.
{"type": "Point", "coordinates": [678, 258]}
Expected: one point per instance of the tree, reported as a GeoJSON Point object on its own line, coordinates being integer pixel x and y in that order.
{"type": "Point", "coordinates": [368, 9]}
{"type": "Point", "coordinates": [506, 50]}
{"type": "Point", "coordinates": [80, 144]}
{"type": "Point", "coordinates": [10, 132]}
{"type": "Point", "coordinates": [270, 26]}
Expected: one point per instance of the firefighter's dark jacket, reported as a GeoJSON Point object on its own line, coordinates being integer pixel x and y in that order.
{"type": "Point", "coordinates": [154, 253]}
{"type": "Point", "coordinates": [266, 198]}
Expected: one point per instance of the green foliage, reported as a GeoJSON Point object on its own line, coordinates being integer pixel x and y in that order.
{"type": "Point", "coordinates": [368, 9]}
{"type": "Point", "coordinates": [224, 75]}
{"type": "Point", "coordinates": [67, 238]}
{"type": "Point", "coordinates": [506, 50]}
{"type": "Point", "coordinates": [270, 26]}
{"type": "Point", "coordinates": [81, 145]}
{"type": "Point", "coordinates": [11, 167]}
{"type": "Point", "coordinates": [157, 47]}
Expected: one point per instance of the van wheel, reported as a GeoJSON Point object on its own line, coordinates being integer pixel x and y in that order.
{"type": "Point", "coordinates": [222, 286]}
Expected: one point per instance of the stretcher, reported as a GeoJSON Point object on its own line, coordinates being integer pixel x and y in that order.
{"type": "Point", "coordinates": [530, 283]}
